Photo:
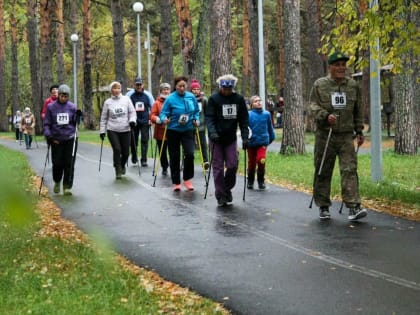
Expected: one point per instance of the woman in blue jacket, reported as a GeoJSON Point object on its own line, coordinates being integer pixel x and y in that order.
{"type": "Point", "coordinates": [262, 134]}
{"type": "Point", "coordinates": [180, 114]}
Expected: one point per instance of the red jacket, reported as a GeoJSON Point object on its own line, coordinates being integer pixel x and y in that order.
{"type": "Point", "coordinates": [154, 114]}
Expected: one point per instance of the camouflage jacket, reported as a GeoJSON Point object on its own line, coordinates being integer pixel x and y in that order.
{"type": "Point", "coordinates": [344, 100]}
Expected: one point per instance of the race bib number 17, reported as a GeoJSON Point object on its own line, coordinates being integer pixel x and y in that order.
{"type": "Point", "coordinates": [229, 111]}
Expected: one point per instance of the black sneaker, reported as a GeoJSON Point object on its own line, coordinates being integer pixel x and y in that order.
{"type": "Point", "coordinates": [250, 185]}
{"type": "Point", "coordinates": [144, 163]}
{"type": "Point", "coordinates": [221, 202]}
{"type": "Point", "coordinates": [229, 197]}
{"type": "Point", "coordinates": [206, 165]}
{"type": "Point", "coordinates": [134, 160]}
{"type": "Point", "coordinates": [261, 185]}
{"type": "Point", "coordinates": [164, 172]}
{"type": "Point", "coordinates": [356, 213]}
{"type": "Point", "coordinates": [324, 213]}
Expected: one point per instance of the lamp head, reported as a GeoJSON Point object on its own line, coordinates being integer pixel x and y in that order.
{"type": "Point", "coordinates": [138, 7]}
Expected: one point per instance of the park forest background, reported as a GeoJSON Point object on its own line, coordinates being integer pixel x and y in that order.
{"type": "Point", "coordinates": [205, 39]}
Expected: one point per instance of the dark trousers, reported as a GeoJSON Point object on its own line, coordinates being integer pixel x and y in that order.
{"type": "Point", "coordinates": [143, 131]}
{"type": "Point", "coordinates": [63, 162]}
{"type": "Point", "coordinates": [18, 134]}
{"type": "Point", "coordinates": [28, 140]}
{"type": "Point", "coordinates": [120, 143]}
{"type": "Point", "coordinates": [163, 153]}
{"type": "Point", "coordinates": [341, 146]}
{"type": "Point", "coordinates": [175, 141]}
{"type": "Point", "coordinates": [225, 165]}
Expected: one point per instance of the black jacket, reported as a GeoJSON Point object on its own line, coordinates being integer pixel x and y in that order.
{"type": "Point", "coordinates": [224, 114]}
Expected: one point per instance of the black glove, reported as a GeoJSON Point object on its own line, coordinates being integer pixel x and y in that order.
{"type": "Point", "coordinates": [78, 116]}
{"type": "Point", "coordinates": [50, 140]}
{"type": "Point", "coordinates": [214, 137]}
{"type": "Point", "coordinates": [132, 124]}
{"type": "Point", "coordinates": [102, 136]}
{"type": "Point", "coordinates": [244, 144]}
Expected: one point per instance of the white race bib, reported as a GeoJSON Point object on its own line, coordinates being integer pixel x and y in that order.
{"type": "Point", "coordinates": [63, 119]}
{"type": "Point", "coordinates": [229, 111]}
{"type": "Point", "coordinates": [140, 106]}
{"type": "Point", "coordinates": [119, 111]}
{"type": "Point", "coordinates": [338, 100]}
{"type": "Point", "coordinates": [183, 119]}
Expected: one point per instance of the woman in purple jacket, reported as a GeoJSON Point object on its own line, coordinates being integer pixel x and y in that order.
{"type": "Point", "coordinates": [60, 122]}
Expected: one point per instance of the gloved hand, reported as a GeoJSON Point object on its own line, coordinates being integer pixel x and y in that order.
{"type": "Point", "coordinates": [132, 124]}
{"type": "Point", "coordinates": [158, 121]}
{"type": "Point", "coordinates": [214, 137]}
{"type": "Point", "coordinates": [102, 136]}
{"type": "Point", "coordinates": [78, 116]}
{"type": "Point", "coordinates": [196, 123]}
{"type": "Point", "coordinates": [50, 140]}
{"type": "Point", "coordinates": [245, 144]}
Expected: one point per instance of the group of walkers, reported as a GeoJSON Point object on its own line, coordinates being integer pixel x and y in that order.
{"type": "Point", "coordinates": [181, 118]}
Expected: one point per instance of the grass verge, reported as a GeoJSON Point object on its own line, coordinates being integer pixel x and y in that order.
{"type": "Point", "coordinates": [47, 266]}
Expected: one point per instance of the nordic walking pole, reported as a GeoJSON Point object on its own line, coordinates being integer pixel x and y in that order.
{"type": "Point", "coordinates": [151, 140]}
{"type": "Point", "coordinates": [160, 154]}
{"type": "Point", "coordinates": [36, 142]}
{"type": "Point", "coordinates": [322, 160]}
{"type": "Point", "coordinates": [243, 198]}
{"type": "Point", "coordinates": [201, 153]}
{"type": "Point", "coordinates": [100, 155]}
{"type": "Point", "coordinates": [211, 163]}
{"type": "Point", "coordinates": [43, 172]}
{"type": "Point", "coordinates": [73, 155]}
{"type": "Point", "coordinates": [154, 159]}
{"type": "Point", "coordinates": [135, 148]}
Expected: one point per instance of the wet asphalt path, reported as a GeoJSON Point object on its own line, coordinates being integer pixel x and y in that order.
{"type": "Point", "coordinates": [267, 255]}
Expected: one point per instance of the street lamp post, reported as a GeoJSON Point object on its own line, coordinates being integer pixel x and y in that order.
{"type": "Point", "coordinates": [149, 54]}
{"type": "Point", "coordinates": [74, 38]}
{"type": "Point", "coordinates": [138, 8]}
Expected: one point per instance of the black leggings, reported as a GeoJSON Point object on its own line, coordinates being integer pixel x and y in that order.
{"type": "Point", "coordinates": [120, 143]}
{"type": "Point", "coordinates": [175, 140]}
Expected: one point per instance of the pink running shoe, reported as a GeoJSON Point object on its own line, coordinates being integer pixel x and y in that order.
{"type": "Point", "coordinates": [177, 187]}
{"type": "Point", "coordinates": [188, 185]}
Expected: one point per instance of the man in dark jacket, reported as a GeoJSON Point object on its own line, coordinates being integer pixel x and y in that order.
{"type": "Point", "coordinates": [226, 110]}
{"type": "Point", "coordinates": [142, 102]}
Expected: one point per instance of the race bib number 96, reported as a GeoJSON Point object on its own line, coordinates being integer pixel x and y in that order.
{"type": "Point", "coordinates": [338, 100]}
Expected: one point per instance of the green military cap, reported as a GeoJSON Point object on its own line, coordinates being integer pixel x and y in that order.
{"type": "Point", "coordinates": [336, 57]}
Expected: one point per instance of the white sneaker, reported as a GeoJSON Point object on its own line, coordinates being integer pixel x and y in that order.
{"type": "Point", "coordinates": [356, 213]}
{"type": "Point", "coordinates": [67, 192]}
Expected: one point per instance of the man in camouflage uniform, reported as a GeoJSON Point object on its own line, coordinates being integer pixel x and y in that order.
{"type": "Point", "coordinates": [336, 104]}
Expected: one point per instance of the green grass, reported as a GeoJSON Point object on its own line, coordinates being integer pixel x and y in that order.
{"type": "Point", "coordinates": [47, 275]}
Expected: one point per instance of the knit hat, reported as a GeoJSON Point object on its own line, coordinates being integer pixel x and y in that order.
{"type": "Point", "coordinates": [164, 86]}
{"type": "Point", "coordinates": [27, 109]}
{"type": "Point", "coordinates": [112, 84]}
{"type": "Point", "coordinates": [195, 84]}
{"type": "Point", "coordinates": [64, 89]}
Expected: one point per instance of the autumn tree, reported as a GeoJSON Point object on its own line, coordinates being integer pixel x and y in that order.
{"type": "Point", "coordinates": [3, 113]}
{"type": "Point", "coordinates": [293, 127]}
{"type": "Point", "coordinates": [119, 48]}
{"type": "Point", "coordinates": [220, 32]}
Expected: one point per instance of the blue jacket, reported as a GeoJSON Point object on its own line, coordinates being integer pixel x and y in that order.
{"type": "Point", "coordinates": [261, 128]}
{"type": "Point", "coordinates": [60, 121]}
{"type": "Point", "coordinates": [178, 108]}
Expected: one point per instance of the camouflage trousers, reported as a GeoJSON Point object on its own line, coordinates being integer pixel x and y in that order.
{"type": "Point", "coordinates": [341, 145]}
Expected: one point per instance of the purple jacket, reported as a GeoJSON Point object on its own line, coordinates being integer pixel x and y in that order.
{"type": "Point", "coordinates": [60, 121]}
